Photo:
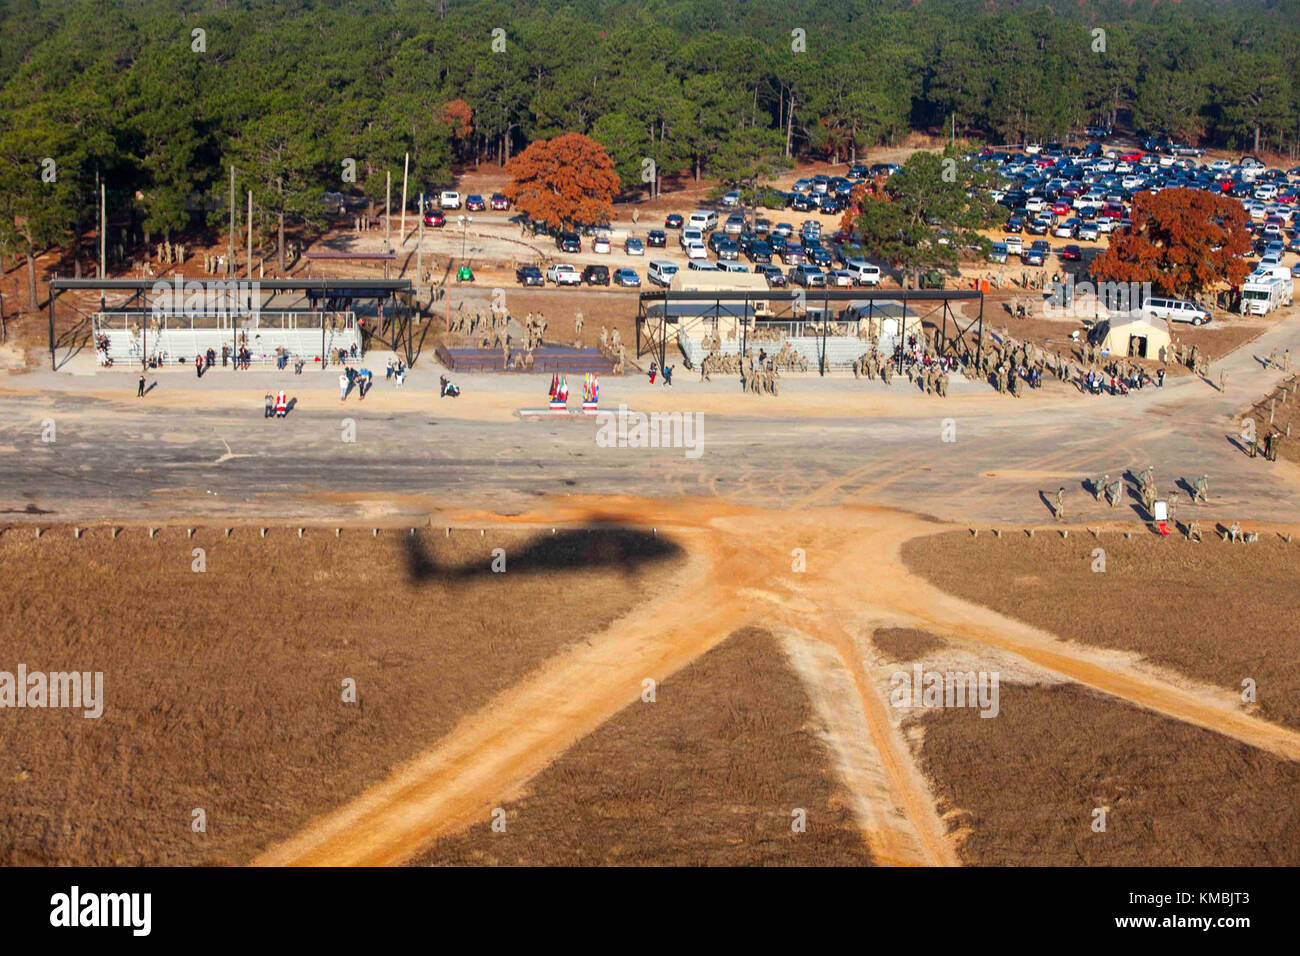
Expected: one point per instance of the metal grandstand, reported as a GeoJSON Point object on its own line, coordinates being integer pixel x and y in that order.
{"type": "Point", "coordinates": [176, 318]}
{"type": "Point", "coordinates": [824, 325]}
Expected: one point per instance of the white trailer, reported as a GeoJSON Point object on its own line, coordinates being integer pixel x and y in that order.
{"type": "Point", "coordinates": [1262, 296]}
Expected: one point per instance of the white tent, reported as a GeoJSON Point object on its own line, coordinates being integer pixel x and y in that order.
{"type": "Point", "coordinates": [1138, 336]}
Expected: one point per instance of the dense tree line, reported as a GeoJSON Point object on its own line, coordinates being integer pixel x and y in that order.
{"type": "Point", "coordinates": [288, 91]}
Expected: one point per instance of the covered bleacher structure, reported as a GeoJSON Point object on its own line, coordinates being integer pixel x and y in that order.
{"type": "Point", "coordinates": [173, 319]}
{"type": "Point", "coordinates": [829, 327]}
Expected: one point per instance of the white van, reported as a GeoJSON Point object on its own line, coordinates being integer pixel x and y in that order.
{"type": "Point", "coordinates": [703, 220]}
{"type": "Point", "coordinates": [1175, 310]}
{"type": "Point", "coordinates": [864, 273]}
{"type": "Point", "coordinates": [449, 199]}
{"type": "Point", "coordinates": [661, 272]}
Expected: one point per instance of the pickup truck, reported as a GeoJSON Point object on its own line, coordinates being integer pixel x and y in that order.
{"type": "Point", "coordinates": [564, 274]}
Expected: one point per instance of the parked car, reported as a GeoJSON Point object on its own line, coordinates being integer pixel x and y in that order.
{"type": "Point", "coordinates": [661, 271]}
{"type": "Point", "coordinates": [499, 202]}
{"type": "Point", "coordinates": [998, 253]}
{"type": "Point", "coordinates": [734, 225]}
{"type": "Point", "coordinates": [673, 221]}
{"type": "Point", "coordinates": [731, 199]}
{"type": "Point", "coordinates": [627, 278]}
{"type": "Point", "coordinates": [601, 245]}
{"type": "Point", "coordinates": [562, 273]}
{"type": "Point", "coordinates": [840, 278]}
{"type": "Point", "coordinates": [759, 252]}
{"type": "Point", "coordinates": [1175, 310]}
{"type": "Point", "coordinates": [449, 199]}
{"type": "Point", "coordinates": [434, 217]}
{"type": "Point", "coordinates": [529, 275]}
{"type": "Point", "coordinates": [568, 242]}
{"type": "Point", "coordinates": [728, 249]}
{"type": "Point", "coordinates": [634, 246]}
{"type": "Point", "coordinates": [1071, 253]}
{"type": "Point", "coordinates": [596, 275]}
{"type": "Point", "coordinates": [696, 250]}
{"type": "Point", "coordinates": [656, 239]}
{"type": "Point", "coordinates": [474, 203]}
{"type": "Point", "coordinates": [775, 277]}
{"type": "Point", "coordinates": [810, 277]}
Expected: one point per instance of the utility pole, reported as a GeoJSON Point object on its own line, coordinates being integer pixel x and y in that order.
{"type": "Point", "coordinates": [230, 252]}
{"type": "Point", "coordinates": [250, 235]}
{"type": "Point", "coordinates": [419, 250]}
{"type": "Point", "coordinates": [388, 218]}
{"type": "Point", "coordinates": [103, 240]}
{"type": "Point", "coordinates": [406, 170]}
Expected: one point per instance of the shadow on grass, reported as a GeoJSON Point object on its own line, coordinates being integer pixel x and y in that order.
{"type": "Point", "coordinates": [572, 550]}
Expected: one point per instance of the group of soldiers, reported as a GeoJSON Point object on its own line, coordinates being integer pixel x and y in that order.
{"type": "Point", "coordinates": [870, 365]}
{"type": "Point", "coordinates": [761, 378]}
{"type": "Point", "coordinates": [1149, 493]}
{"type": "Point", "coordinates": [611, 346]}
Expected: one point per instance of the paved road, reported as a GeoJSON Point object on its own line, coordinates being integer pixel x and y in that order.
{"type": "Point", "coordinates": [115, 460]}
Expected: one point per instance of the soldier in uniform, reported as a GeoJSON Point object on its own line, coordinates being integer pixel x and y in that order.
{"type": "Point", "coordinates": [1202, 489]}
{"type": "Point", "coordinates": [1060, 503]}
{"type": "Point", "coordinates": [1099, 486]}
{"type": "Point", "coordinates": [1194, 531]}
{"type": "Point", "coordinates": [1113, 492]}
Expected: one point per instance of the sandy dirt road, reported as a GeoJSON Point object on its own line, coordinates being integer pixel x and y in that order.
{"type": "Point", "coordinates": [740, 573]}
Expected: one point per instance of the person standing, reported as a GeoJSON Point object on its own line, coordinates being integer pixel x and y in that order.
{"type": "Point", "coordinates": [140, 391]}
{"type": "Point", "coordinates": [343, 386]}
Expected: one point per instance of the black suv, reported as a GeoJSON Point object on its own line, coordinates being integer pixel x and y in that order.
{"type": "Point", "coordinates": [568, 242]}
{"type": "Point", "coordinates": [596, 275]}
{"type": "Point", "coordinates": [657, 239]}
{"type": "Point", "coordinates": [529, 275]}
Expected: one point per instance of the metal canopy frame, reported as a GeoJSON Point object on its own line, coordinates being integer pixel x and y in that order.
{"type": "Point", "coordinates": [317, 289]}
{"type": "Point", "coordinates": [942, 299]}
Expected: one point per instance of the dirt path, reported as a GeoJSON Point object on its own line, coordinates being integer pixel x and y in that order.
{"type": "Point", "coordinates": [741, 573]}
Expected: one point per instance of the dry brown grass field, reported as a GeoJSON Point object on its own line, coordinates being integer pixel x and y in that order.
{"type": "Point", "coordinates": [707, 774]}
{"type": "Point", "coordinates": [223, 688]}
{"type": "Point", "coordinates": [1025, 785]}
{"type": "Point", "coordinates": [1214, 611]}
{"type": "Point", "coordinates": [906, 643]}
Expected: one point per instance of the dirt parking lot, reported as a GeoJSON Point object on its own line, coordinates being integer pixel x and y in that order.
{"type": "Point", "coordinates": [223, 688]}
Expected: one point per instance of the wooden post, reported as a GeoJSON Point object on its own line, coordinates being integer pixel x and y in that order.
{"type": "Point", "coordinates": [103, 239]}
{"type": "Point", "coordinates": [406, 170]}
{"type": "Point", "coordinates": [250, 234]}
{"type": "Point", "coordinates": [388, 218]}
{"type": "Point", "coordinates": [230, 251]}
{"type": "Point", "coordinates": [419, 249]}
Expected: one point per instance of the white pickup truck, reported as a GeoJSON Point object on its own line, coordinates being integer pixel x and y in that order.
{"type": "Point", "coordinates": [564, 274]}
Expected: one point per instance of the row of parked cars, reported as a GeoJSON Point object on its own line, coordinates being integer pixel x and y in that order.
{"type": "Point", "coordinates": [1084, 193]}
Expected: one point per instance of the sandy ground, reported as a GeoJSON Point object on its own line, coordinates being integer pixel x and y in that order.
{"type": "Point", "coordinates": [845, 473]}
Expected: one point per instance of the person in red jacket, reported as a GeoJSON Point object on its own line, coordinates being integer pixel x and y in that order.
{"type": "Point", "coordinates": [281, 404]}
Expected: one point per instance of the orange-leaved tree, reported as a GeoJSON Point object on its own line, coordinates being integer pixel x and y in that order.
{"type": "Point", "coordinates": [568, 180]}
{"type": "Point", "coordinates": [1182, 241]}
{"type": "Point", "coordinates": [459, 115]}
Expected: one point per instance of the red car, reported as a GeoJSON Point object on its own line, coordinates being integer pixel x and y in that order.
{"type": "Point", "coordinates": [1112, 211]}
{"type": "Point", "coordinates": [1131, 157]}
{"type": "Point", "coordinates": [1062, 209]}
{"type": "Point", "coordinates": [1071, 253]}
{"type": "Point", "coordinates": [435, 218]}
{"type": "Point", "coordinates": [499, 202]}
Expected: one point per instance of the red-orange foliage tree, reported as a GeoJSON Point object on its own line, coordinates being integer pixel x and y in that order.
{"type": "Point", "coordinates": [1182, 241]}
{"type": "Point", "coordinates": [567, 180]}
{"type": "Point", "coordinates": [459, 115]}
